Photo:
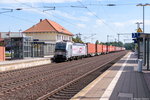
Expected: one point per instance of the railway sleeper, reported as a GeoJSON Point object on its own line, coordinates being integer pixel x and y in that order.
{"type": "Point", "coordinates": [72, 88]}
{"type": "Point", "coordinates": [67, 91]}
{"type": "Point", "coordinates": [51, 99]}
{"type": "Point", "coordinates": [75, 88]}
{"type": "Point", "coordinates": [64, 92]}
{"type": "Point", "coordinates": [60, 97]}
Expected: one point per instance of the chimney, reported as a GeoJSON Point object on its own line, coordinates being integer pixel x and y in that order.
{"type": "Point", "coordinates": [40, 20]}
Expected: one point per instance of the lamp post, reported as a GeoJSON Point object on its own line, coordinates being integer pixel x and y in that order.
{"type": "Point", "coordinates": [138, 24]}
{"type": "Point", "coordinates": [107, 38]}
{"type": "Point", "coordinates": [110, 38]}
{"type": "Point", "coordinates": [21, 35]}
{"type": "Point", "coordinates": [143, 5]}
{"type": "Point", "coordinates": [144, 43]}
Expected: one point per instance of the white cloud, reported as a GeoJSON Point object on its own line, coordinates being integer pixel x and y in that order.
{"type": "Point", "coordinates": [129, 22]}
{"type": "Point", "coordinates": [126, 23]}
{"type": "Point", "coordinates": [107, 0]}
{"type": "Point", "coordinates": [69, 16]}
{"type": "Point", "coordinates": [147, 22]}
{"type": "Point", "coordinates": [83, 18]}
{"type": "Point", "coordinates": [38, 12]}
{"type": "Point", "coordinates": [37, 1]}
{"type": "Point", "coordinates": [99, 23]}
{"type": "Point", "coordinates": [81, 25]}
{"type": "Point", "coordinates": [119, 24]}
{"type": "Point", "coordinates": [90, 14]}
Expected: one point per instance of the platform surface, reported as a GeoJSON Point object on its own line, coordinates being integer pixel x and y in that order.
{"type": "Point", "coordinates": [120, 82]}
{"type": "Point", "coordinates": [23, 63]}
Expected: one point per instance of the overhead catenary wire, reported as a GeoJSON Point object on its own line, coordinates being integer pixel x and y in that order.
{"type": "Point", "coordinates": [12, 16]}
{"type": "Point", "coordinates": [97, 17]}
{"type": "Point", "coordinates": [46, 13]}
{"type": "Point", "coordinates": [96, 4]}
{"type": "Point", "coordinates": [60, 18]}
{"type": "Point", "coordinates": [129, 4]}
{"type": "Point", "coordinates": [26, 20]}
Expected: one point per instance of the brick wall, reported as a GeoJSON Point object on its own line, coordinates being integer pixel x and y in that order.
{"type": "Point", "coordinates": [2, 53]}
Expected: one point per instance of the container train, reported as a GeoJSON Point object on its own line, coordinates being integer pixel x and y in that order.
{"type": "Point", "coordinates": [68, 51]}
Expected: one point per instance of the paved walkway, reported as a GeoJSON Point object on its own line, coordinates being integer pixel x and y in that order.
{"type": "Point", "coordinates": [147, 78]}
{"type": "Point", "coordinates": [120, 82]}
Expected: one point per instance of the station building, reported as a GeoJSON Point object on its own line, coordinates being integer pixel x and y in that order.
{"type": "Point", "coordinates": [37, 41]}
{"type": "Point", "coordinates": [48, 31]}
{"type": "Point", "coordinates": [45, 34]}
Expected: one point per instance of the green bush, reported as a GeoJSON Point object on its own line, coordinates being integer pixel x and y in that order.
{"type": "Point", "coordinates": [8, 54]}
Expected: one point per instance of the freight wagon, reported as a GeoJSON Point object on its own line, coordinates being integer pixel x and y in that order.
{"type": "Point", "coordinates": [105, 49]}
{"type": "Point", "coordinates": [91, 49]}
{"type": "Point", "coordinates": [111, 49]}
{"type": "Point", "coordinates": [99, 49]}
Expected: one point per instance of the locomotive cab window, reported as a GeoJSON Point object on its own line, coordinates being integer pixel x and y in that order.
{"type": "Point", "coordinates": [60, 46]}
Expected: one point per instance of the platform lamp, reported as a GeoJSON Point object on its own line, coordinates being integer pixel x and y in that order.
{"type": "Point", "coordinates": [144, 45]}
{"type": "Point", "coordinates": [143, 5]}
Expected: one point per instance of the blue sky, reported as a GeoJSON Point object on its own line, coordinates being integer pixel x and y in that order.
{"type": "Point", "coordinates": [97, 19]}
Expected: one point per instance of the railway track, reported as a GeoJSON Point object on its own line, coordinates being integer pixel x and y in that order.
{"type": "Point", "coordinates": [31, 83]}
{"type": "Point", "coordinates": [68, 90]}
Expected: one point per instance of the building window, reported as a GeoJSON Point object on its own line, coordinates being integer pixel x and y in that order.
{"type": "Point", "coordinates": [59, 37]}
{"type": "Point", "coordinates": [66, 37]}
{"type": "Point", "coordinates": [70, 38]}
{"type": "Point", "coordinates": [62, 37]}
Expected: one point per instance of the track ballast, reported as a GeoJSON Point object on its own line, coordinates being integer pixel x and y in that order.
{"type": "Point", "coordinates": [32, 83]}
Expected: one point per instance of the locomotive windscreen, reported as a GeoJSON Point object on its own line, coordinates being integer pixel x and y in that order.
{"type": "Point", "coordinates": [60, 46]}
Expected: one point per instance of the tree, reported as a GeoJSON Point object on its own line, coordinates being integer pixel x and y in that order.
{"type": "Point", "coordinates": [77, 39]}
{"type": "Point", "coordinates": [97, 42]}
{"type": "Point", "coordinates": [118, 44]}
{"type": "Point", "coordinates": [129, 46]}
{"type": "Point", "coordinates": [1, 42]}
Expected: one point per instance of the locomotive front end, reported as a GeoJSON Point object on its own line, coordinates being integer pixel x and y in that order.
{"type": "Point", "coordinates": [60, 52]}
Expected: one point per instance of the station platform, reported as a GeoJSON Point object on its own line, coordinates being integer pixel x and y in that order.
{"type": "Point", "coordinates": [23, 63]}
{"type": "Point", "coordinates": [122, 81]}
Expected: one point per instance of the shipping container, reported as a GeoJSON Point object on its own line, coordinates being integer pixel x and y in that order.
{"type": "Point", "coordinates": [91, 49]}
{"type": "Point", "coordinates": [112, 48]}
{"type": "Point", "coordinates": [104, 49]}
{"type": "Point", "coordinates": [99, 49]}
{"type": "Point", "coordinates": [109, 48]}
{"type": "Point", "coordinates": [117, 48]}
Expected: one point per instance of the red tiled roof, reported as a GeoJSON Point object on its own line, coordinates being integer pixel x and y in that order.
{"type": "Point", "coordinates": [48, 26]}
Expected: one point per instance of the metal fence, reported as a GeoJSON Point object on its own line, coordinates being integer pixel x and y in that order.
{"type": "Point", "coordinates": [24, 47]}
{"type": "Point", "coordinates": [49, 49]}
